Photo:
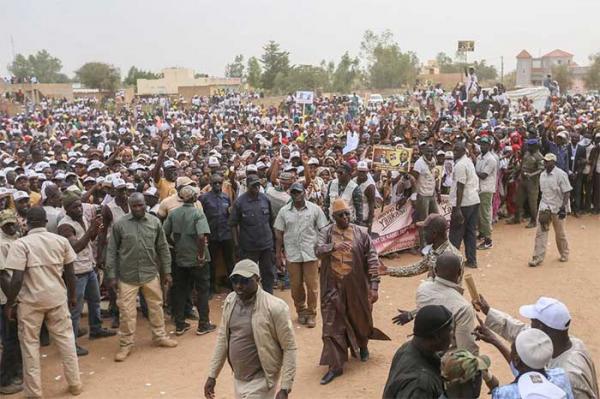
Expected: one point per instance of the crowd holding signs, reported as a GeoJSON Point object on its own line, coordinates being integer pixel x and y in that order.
{"type": "Point", "coordinates": [165, 194]}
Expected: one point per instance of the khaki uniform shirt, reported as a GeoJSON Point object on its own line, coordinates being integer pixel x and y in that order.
{"type": "Point", "coordinates": [439, 291]}
{"type": "Point", "coordinates": [42, 256]}
{"type": "Point", "coordinates": [172, 202]}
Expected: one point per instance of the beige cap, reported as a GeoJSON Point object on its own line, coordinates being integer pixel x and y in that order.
{"type": "Point", "coordinates": [245, 268]}
{"type": "Point", "coordinates": [339, 205]}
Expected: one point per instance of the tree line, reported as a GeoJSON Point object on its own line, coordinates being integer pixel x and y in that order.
{"type": "Point", "coordinates": [380, 64]}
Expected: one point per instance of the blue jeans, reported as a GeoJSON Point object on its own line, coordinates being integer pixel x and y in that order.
{"type": "Point", "coordinates": [89, 290]}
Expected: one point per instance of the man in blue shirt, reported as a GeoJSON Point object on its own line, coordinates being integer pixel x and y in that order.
{"type": "Point", "coordinates": [216, 206]}
{"type": "Point", "coordinates": [252, 227]}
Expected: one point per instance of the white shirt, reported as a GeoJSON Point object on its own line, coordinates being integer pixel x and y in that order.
{"type": "Point", "coordinates": [426, 180]}
{"type": "Point", "coordinates": [553, 186]}
{"type": "Point", "coordinates": [487, 164]}
{"type": "Point", "coordinates": [464, 172]}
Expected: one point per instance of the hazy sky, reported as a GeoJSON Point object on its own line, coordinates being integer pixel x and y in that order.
{"type": "Point", "coordinates": [206, 35]}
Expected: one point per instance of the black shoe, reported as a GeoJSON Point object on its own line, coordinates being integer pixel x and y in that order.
{"type": "Point", "coordinates": [205, 328]}
{"type": "Point", "coordinates": [115, 323]}
{"type": "Point", "coordinates": [182, 328]}
{"type": "Point", "coordinates": [471, 265]}
{"type": "Point", "coordinates": [531, 225]}
{"type": "Point", "coordinates": [81, 351]}
{"type": "Point", "coordinates": [102, 333]}
{"type": "Point", "coordinates": [81, 332]}
{"type": "Point", "coordinates": [11, 389]}
{"type": "Point", "coordinates": [330, 376]}
{"type": "Point", "coordinates": [364, 354]}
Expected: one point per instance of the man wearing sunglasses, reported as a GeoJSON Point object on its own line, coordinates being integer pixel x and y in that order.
{"type": "Point", "coordinates": [349, 286]}
{"type": "Point", "coordinates": [256, 337]}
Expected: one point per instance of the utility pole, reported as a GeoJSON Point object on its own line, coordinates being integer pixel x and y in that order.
{"type": "Point", "coordinates": [502, 69]}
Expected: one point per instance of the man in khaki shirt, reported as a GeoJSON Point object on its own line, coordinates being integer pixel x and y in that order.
{"type": "Point", "coordinates": [38, 262]}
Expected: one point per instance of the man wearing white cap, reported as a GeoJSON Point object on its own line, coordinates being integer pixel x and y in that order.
{"type": "Point", "coordinates": [22, 205]}
{"type": "Point", "coordinates": [529, 358]}
{"type": "Point", "coordinates": [166, 185]}
{"type": "Point", "coordinates": [555, 188]}
{"type": "Point", "coordinates": [256, 337]}
{"type": "Point", "coordinates": [552, 317]}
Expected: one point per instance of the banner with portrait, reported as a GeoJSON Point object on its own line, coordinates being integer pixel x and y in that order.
{"type": "Point", "coordinates": [387, 157]}
{"type": "Point", "coordinates": [394, 228]}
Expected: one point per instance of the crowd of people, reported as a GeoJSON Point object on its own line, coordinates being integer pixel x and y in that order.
{"type": "Point", "coordinates": [224, 194]}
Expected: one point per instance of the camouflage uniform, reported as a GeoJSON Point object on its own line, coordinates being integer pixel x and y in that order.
{"type": "Point", "coordinates": [529, 186]}
{"type": "Point", "coordinates": [427, 263]}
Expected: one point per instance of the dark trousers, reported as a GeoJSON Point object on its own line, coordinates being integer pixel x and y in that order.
{"type": "Point", "coordinates": [11, 363]}
{"type": "Point", "coordinates": [227, 248]}
{"type": "Point", "coordinates": [528, 192]}
{"type": "Point", "coordinates": [266, 266]}
{"type": "Point", "coordinates": [185, 279]}
{"type": "Point", "coordinates": [467, 232]}
{"type": "Point", "coordinates": [596, 189]}
{"type": "Point", "coordinates": [581, 195]}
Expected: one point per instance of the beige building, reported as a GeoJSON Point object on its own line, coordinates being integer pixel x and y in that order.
{"type": "Point", "coordinates": [532, 71]}
{"type": "Point", "coordinates": [173, 78]}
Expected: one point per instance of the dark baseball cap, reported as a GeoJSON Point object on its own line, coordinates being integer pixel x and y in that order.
{"type": "Point", "coordinates": [252, 180]}
{"type": "Point", "coordinates": [297, 187]}
{"type": "Point", "coordinates": [431, 319]}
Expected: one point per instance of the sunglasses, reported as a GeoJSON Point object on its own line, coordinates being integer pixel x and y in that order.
{"type": "Point", "coordinates": [344, 213]}
{"type": "Point", "coordinates": [237, 279]}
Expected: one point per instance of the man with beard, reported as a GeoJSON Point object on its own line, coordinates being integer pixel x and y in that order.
{"type": "Point", "coordinates": [345, 188]}
{"type": "Point", "coordinates": [366, 184]}
{"type": "Point", "coordinates": [349, 288]}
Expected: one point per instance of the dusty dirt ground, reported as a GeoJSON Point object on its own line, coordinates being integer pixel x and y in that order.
{"type": "Point", "coordinates": [503, 277]}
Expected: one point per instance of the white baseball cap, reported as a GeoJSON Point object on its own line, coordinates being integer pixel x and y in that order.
{"type": "Point", "coordinates": [534, 348]}
{"type": "Point", "coordinates": [213, 161]}
{"type": "Point", "coordinates": [261, 165]}
{"type": "Point", "coordinates": [168, 164]}
{"type": "Point", "coordinates": [251, 168]}
{"type": "Point", "coordinates": [19, 195]}
{"type": "Point", "coordinates": [118, 183]}
{"type": "Point", "coordinates": [534, 385]}
{"type": "Point", "coordinates": [362, 166]}
{"type": "Point", "coordinates": [313, 161]}
{"type": "Point", "coordinates": [151, 191]}
{"type": "Point", "coordinates": [549, 311]}
{"type": "Point", "coordinates": [295, 154]}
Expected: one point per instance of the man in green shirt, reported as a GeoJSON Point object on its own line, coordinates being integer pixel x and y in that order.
{"type": "Point", "coordinates": [187, 229]}
{"type": "Point", "coordinates": [137, 252]}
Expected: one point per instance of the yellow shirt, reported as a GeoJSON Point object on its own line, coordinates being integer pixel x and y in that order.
{"type": "Point", "coordinates": [165, 188]}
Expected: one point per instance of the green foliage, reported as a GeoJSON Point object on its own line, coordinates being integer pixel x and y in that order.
{"type": "Point", "coordinates": [563, 76]}
{"type": "Point", "coordinates": [134, 74]}
{"type": "Point", "coordinates": [303, 77]}
{"type": "Point", "coordinates": [276, 64]}
{"type": "Point", "coordinates": [592, 78]}
{"type": "Point", "coordinates": [42, 65]}
{"type": "Point", "coordinates": [387, 65]}
{"type": "Point", "coordinates": [98, 75]}
{"type": "Point", "coordinates": [345, 76]}
{"type": "Point", "coordinates": [254, 73]}
{"type": "Point", "coordinates": [236, 68]}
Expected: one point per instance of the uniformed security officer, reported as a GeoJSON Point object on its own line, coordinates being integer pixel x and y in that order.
{"type": "Point", "coordinates": [42, 265]}
{"type": "Point", "coordinates": [529, 186]}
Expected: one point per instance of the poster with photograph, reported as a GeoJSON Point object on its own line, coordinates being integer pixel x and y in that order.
{"type": "Point", "coordinates": [386, 157]}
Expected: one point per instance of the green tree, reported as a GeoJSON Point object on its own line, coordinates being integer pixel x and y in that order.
{"type": "Point", "coordinates": [563, 76]}
{"type": "Point", "coordinates": [275, 62]}
{"type": "Point", "coordinates": [346, 74]}
{"type": "Point", "coordinates": [134, 74]}
{"type": "Point", "coordinates": [302, 77]}
{"type": "Point", "coordinates": [387, 65]}
{"type": "Point", "coordinates": [42, 65]}
{"type": "Point", "coordinates": [236, 68]}
{"type": "Point", "coordinates": [254, 73]}
{"type": "Point", "coordinates": [98, 75]}
{"type": "Point", "coordinates": [443, 60]}
{"type": "Point", "coordinates": [592, 77]}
